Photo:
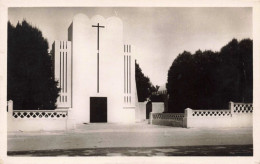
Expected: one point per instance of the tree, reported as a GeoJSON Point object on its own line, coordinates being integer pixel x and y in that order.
{"type": "Point", "coordinates": [179, 85]}
{"type": "Point", "coordinates": [30, 81]}
{"type": "Point", "coordinates": [237, 70]}
{"type": "Point", "coordinates": [209, 80]}
{"type": "Point", "coordinates": [143, 84]}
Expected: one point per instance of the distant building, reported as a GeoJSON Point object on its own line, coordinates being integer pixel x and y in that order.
{"type": "Point", "coordinates": [162, 90]}
{"type": "Point", "coordinates": [162, 96]}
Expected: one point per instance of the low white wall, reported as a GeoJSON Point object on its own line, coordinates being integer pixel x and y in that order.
{"type": "Point", "coordinates": [242, 114]}
{"type": "Point", "coordinates": [239, 115]}
{"type": "Point", "coordinates": [167, 119]}
{"type": "Point", "coordinates": [37, 124]}
{"type": "Point", "coordinates": [38, 120]}
{"type": "Point", "coordinates": [242, 120]}
{"type": "Point", "coordinates": [211, 122]}
{"type": "Point", "coordinates": [168, 122]}
{"type": "Point", "coordinates": [157, 107]}
{"type": "Point", "coordinates": [140, 114]}
{"type": "Point", "coordinates": [207, 118]}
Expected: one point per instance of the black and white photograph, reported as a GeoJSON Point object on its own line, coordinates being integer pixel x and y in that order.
{"type": "Point", "coordinates": [130, 81]}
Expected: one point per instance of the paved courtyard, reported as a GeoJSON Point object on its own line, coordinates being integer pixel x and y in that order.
{"type": "Point", "coordinates": [140, 139]}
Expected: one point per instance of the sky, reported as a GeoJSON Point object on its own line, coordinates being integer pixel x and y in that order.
{"type": "Point", "coordinates": [158, 33]}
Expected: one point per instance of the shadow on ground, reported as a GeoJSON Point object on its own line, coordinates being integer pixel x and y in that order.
{"type": "Point", "coordinates": [223, 150]}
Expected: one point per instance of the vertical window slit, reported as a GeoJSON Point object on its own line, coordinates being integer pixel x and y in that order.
{"type": "Point", "coordinates": [124, 73]}
{"type": "Point", "coordinates": [130, 74]}
{"type": "Point", "coordinates": [127, 74]}
{"type": "Point", "coordinates": [63, 71]}
{"type": "Point", "coordinates": [60, 72]}
{"type": "Point", "coordinates": [66, 78]}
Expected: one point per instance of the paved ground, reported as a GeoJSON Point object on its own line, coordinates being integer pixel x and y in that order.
{"type": "Point", "coordinates": [135, 139]}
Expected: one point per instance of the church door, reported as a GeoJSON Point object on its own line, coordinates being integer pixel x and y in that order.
{"type": "Point", "coordinates": [98, 109]}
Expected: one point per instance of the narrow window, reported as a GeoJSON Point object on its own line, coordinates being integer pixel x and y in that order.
{"type": "Point", "coordinates": [127, 74]}
{"type": "Point", "coordinates": [60, 72]}
{"type": "Point", "coordinates": [60, 44]}
{"type": "Point", "coordinates": [124, 73]}
{"type": "Point", "coordinates": [63, 71]}
{"type": "Point", "coordinates": [130, 74]}
{"type": "Point", "coordinates": [66, 74]}
{"type": "Point", "coordinates": [129, 48]}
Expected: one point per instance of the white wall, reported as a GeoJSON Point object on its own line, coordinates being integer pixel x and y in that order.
{"type": "Point", "coordinates": [167, 119]}
{"type": "Point", "coordinates": [37, 123]}
{"type": "Point", "coordinates": [242, 120]}
{"type": "Point", "coordinates": [140, 114]}
{"type": "Point", "coordinates": [211, 122]}
{"type": "Point", "coordinates": [228, 118]}
{"type": "Point", "coordinates": [168, 122]}
{"type": "Point", "coordinates": [157, 107]}
{"type": "Point", "coordinates": [239, 115]}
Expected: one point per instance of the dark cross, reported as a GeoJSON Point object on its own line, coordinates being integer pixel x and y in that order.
{"type": "Point", "coordinates": [98, 54]}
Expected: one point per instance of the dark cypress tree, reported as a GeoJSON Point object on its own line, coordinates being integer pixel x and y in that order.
{"type": "Point", "coordinates": [246, 69]}
{"type": "Point", "coordinates": [209, 80]}
{"type": "Point", "coordinates": [143, 84]}
{"type": "Point", "coordinates": [30, 82]}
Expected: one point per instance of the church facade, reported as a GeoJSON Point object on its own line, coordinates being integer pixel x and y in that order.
{"type": "Point", "coordinates": [95, 69]}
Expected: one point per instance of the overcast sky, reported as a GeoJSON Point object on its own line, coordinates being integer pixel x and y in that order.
{"type": "Point", "coordinates": [159, 34]}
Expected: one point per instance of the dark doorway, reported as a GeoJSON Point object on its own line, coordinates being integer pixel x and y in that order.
{"type": "Point", "coordinates": [98, 109]}
{"type": "Point", "coordinates": [148, 109]}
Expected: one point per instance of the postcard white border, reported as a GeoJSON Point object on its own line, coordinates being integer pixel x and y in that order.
{"type": "Point", "coordinates": [4, 4]}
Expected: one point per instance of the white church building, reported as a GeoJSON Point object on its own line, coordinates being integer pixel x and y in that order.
{"type": "Point", "coordinates": [95, 69]}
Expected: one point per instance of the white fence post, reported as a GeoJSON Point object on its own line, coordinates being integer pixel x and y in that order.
{"type": "Point", "coordinates": [187, 118]}
{"type": "Point", "coordinates": [10, 108]}
{"type": "Point", "coordinates": [10, 115]}
{"type": "Point", "coordinates": [151, 117]}
{"type": "Point", "coordinates": [231, 107]}
{"type": "Point", "coordinates": [70, 122]}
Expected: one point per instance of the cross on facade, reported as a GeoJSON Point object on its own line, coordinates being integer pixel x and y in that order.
{"type": "Point", "coordinates": [97, 26]}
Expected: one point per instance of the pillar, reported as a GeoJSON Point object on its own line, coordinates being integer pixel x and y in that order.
{"type": "Point", "coordinates": [187, 118]}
